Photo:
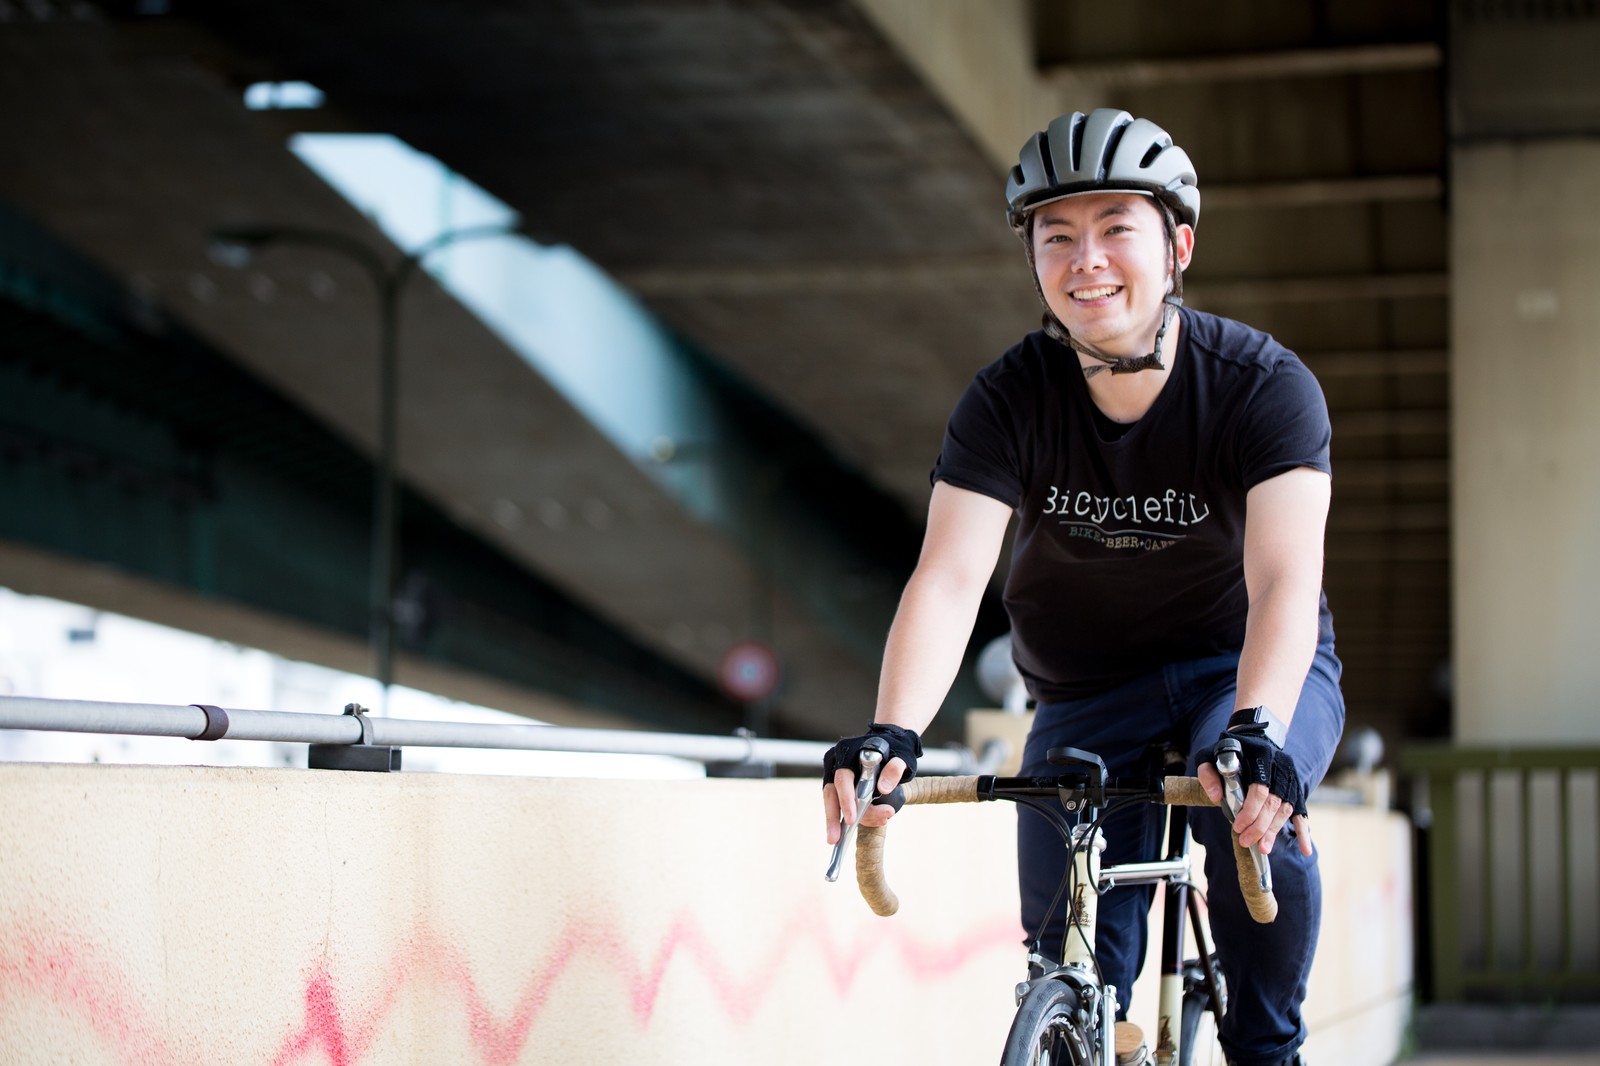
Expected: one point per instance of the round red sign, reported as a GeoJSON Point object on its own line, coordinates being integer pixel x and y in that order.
{"type": "Point", "coordinates": [749, 671]}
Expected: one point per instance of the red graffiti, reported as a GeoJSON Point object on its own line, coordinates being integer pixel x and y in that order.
{"type": "Point", "coordinates": [71, 973]}
{"type": "Point", "coordinates": [428, 959]}
{"type": "Point", "coordinates": [339, 1026]}
{"type": "Point", "coordinates": [323, 1027]}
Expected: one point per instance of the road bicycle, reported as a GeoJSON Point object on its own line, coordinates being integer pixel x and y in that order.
{"type": "Point", "coordinates": [1066, 1013]}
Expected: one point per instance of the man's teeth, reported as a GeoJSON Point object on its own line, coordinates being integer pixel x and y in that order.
{"type": "Point", "coordinates": [1095, 294]}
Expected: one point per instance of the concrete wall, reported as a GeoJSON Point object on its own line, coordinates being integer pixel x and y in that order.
{"type": "Point", "coordinates": [979, 59]}
{"type": "Point", "coordinates": [182, 916]}
{"type": "Point", "coordinates": [1525, 391]}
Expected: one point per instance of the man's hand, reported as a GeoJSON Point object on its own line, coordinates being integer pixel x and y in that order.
{"type": "Point", "coordinates": [839, 768]}
{"type": "Point", "coordinates": [1261, 817]}
{"type": "Point", "coordinates": [841, 796]}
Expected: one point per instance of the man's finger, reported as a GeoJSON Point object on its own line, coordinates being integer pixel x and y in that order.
{"type": "Point", "coordinates": [830, 814]}
{"type": "Point", "coordinates": [1250, 811]}
{"type": "Point", "coordinates": [1211, 781]}
{"type": "Point", "coordinates": [1256, 823]}
{"type": "Point", "coordinates": [890, 775]}
{"type": "Point", "coordinates": [844, 783]}
{"type": "Point", "coordinates": [877, 814]}
{"type": "Point", "coordinates": [1302, 832]}
{"type": "Point", "coordinates": [1278, 819]}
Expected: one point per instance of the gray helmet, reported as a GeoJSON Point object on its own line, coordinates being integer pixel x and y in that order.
{"type": "Point", "coordinates": [1105, 151]}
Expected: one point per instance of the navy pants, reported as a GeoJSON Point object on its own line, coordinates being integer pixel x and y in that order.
{"type": "Point", "coordinates": [1188, 705]}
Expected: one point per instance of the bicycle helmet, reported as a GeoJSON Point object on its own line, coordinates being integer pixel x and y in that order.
{"type": "Point", "coordinates": [1104, 151]}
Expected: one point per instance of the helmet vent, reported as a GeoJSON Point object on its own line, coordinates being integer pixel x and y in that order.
{"type": "Point", "coordinates": [1150, 155]}
{"type": "Point", "coordinates": [1076, 154]}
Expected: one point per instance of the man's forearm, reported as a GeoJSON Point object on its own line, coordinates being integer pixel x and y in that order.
{"type": "Point", "coordinates": [925, 647]}
{"type": "Point", "coordinates": [1280, 640]}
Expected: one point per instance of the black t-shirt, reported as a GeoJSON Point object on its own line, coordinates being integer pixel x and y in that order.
{"type": "Point", "coordinates": [1129, 550]}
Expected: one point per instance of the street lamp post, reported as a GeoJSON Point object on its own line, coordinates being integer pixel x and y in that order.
{"type": "Point", "coordinates": [235, 247]}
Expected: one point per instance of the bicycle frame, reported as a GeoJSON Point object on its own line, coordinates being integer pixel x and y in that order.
{"type": "Point", "coordinates": [1069, 999]}
{"type": "Point", "coordinates": [1173, 870]}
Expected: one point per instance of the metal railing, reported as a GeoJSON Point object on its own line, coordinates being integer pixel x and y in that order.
{"type": "Point", "coordinates": [1512, 838]}
{"type": "Point", "coordinates": [203, 722]}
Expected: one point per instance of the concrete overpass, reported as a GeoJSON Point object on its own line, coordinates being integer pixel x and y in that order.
{"type": "Point", "coordinates": [805, 194]}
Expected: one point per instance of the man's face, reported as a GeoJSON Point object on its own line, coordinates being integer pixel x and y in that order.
{"type": "Point", "coordinates": [1103, 263]}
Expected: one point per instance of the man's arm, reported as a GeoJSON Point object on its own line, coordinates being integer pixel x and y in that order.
{"type": "Point", "coordinates": [931, 628]}
{"type": "Point", "coordinates": [1285, 517]}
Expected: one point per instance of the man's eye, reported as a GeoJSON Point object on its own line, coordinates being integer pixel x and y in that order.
{"type": "Point", "coordinates": [1119, 229]}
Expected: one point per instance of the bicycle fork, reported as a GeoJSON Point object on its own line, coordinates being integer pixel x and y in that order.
{"type": "Point", "coordinates": [1077, 962]}
{"type": "Point", "coordinates": [1181, 906]}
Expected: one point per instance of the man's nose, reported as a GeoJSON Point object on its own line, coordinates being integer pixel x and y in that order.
{"type": "Point", "coordinates": [1087, 255]}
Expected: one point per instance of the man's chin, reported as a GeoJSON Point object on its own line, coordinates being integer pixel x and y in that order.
{"type": "Point", "coordinates": [1095, 335]}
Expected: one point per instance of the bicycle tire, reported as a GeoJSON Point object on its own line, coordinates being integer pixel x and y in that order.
{"type": "Point", "coordinates": [1195, 1007]}
{"type": "Point", "coordinates": [1046, 1032]}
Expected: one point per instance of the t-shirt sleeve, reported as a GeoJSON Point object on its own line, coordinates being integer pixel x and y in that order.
{"type": "Point", "coordinates": [1285, 426]}
{"type": "Point", "coordinates": [980, 450]}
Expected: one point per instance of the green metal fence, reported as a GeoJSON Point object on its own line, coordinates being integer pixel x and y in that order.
{"type": "Point", "coordinates": [1513, 869]}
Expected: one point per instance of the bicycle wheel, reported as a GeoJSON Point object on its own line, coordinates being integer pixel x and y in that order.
{"type": "Point", "coordinates": [1046, 1032]}
{"type": "Point", "coordinates": [1198, 1031]}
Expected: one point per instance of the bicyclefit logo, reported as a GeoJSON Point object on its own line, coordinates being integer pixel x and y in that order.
{"type": "Point", "coordinates": [1143, 523]}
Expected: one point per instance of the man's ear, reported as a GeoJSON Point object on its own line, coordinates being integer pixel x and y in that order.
{"type": "Point", "coordinates": [1183, 240]}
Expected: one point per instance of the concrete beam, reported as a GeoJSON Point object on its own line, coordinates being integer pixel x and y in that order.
{"type": "Point", "coordinates": [975, 271]}
{"type": "Point", "coordinates": [34, 572]}
{"type": "Point", "coordinates": [1389, 188]}
{"type": "Point", "coordinates": [1391, 423]}
{"type": "Point", "coordinates": [1386, 516]}
{"type": "Point", "coordinates": [1256, 66]}
{"type": "Point", "coordinates": [1318, 290]}
{"type": "Point", "coordinates": [1408, 362]}
{"type": "Point", "coordinates": [1398, 473]}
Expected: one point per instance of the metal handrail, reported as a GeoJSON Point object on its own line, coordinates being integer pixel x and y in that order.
{"type": "Point", "coordinates": [163, 720]}
{"type": "Point", "coordinates": [1478, 808]}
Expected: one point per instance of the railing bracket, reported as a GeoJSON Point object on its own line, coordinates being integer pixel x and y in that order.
{"type": "Point", "coordinates": [749, 766]}
{"type": "Point", "coordinates": [363, 755]}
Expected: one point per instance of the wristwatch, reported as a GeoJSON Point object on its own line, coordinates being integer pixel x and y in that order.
{"type": "Point", "coordinates": [1259, 722]}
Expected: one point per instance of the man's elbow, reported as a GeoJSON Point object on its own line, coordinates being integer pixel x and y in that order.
{"type": "Point", "coordinates": [952, 579]}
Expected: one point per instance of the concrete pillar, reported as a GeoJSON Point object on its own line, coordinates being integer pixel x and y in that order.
{"type": "Point", "coordinates": [1525, 394]}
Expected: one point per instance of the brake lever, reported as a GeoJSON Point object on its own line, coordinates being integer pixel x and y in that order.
{"type": "Point", "coordinates": [1227, 761]}
{"type": "Point", "coordinates": [873, 753]}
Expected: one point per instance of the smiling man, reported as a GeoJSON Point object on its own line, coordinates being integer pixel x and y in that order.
{"type": "Point", "coordinates": [1169, 473]}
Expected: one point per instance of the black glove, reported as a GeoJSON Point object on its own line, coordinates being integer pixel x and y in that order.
{"type": "Point", "coordinates": [903, 743]}
{"type": "Point", "coordinates": [1263, 762]}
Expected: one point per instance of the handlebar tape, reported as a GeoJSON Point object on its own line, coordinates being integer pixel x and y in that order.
{"type": "Point", "coordinates": [1263, 906]}
{"type": "Point", "coordinates": [870, 839]}
{"type": "Point", "coordinates": [1179, 792]}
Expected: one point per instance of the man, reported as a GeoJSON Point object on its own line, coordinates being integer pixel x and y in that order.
{"type": "Point", "coordinates": [1169, 470]}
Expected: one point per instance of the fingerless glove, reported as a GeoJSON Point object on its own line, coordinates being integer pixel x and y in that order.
{"type": "Point", "coordinates": [1263, 762]}
{"type": "Point", "coordinates": [904, 743]}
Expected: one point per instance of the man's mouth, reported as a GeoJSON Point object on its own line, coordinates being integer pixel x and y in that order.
{"type": "Point", "coordinates": [1089, 296]}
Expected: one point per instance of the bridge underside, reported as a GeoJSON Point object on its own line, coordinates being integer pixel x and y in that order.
{"type": "Point", "coordinates": [804, 194]}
